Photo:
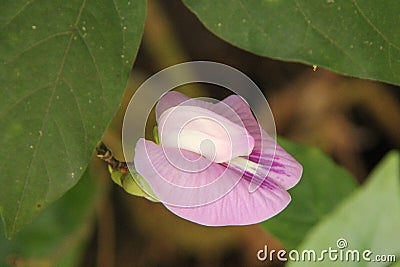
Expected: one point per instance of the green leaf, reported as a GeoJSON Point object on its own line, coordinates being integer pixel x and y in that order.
{"type": "Point", "coordinates": [369, 219]}
{"type": "Point", "coordinates": [356, 38]}
{"type": "Point", "coordinates": [63, 70]}
{"type": "Point", "coordinates": [322, 186]}
{"type": "Point", "coordinates": [57, 236]}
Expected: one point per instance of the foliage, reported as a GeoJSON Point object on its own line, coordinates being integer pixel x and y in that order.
{"type": "Point", "coordinates": [57, 236]}
{"type": "Point", "coordinates": [63, 69]}
{"type": "Point", "coordinates": [369, 219]}
{"type": "Point", "coordinates": [58, 54]}
{"type": "Point", "coordinates": [355, 38]}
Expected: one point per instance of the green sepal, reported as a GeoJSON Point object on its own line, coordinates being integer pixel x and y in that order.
{"type": "Point", "coordinates": [133, 184]}
{"type": "Point", "coordinates": [155, 134]}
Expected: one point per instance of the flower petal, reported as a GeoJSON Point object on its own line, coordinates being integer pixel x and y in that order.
{"type": "Point", "coordinates": [238, 207]}
{"type": "Point", "coordinates": [282, 168]}
{"type": "Point", "coordinates": [180, 177]}
{"type": "Point", "coordinates": [222, 197]}
{"type": "Point", "coordinates": [242, 109]}
{"type": "Point", "coordinates": [273, 160]}
{"type": "Point", "coordinates": [234, 108]}
{"type": "Point", "coordinates": [205, 132]}
{"type": "Point", "coordinates": [169, 100]}
{"type": "Point", "coordinates": [259, 168]}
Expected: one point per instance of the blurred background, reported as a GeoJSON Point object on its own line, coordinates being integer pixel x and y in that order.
{"type": "Point", "coordinates": [355, 121]}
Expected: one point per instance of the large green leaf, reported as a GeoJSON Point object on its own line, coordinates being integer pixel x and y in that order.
{"type": "Point", "coordinates": [359, 37]}
{"type": "Point", "coordinates": [368, 220]}
{"type": "Point", "coordinates": [57, 236]}
{"type": "Point", "coordinates": [63, 69]}
{"type": "Point", "coordinates": [322, 186]}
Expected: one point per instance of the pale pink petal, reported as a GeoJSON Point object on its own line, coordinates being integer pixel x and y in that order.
{"type": "Point", "coordinates": [242, 109]}
{"type": "Point", "coordinates": [224, 108]}
{"type": "Point", "coordinates": [181, 177]}
{"type": "Point", "coordinates": [239, 206]}
{"type": "Point", "coordinates": [285, 170]}
{"type": "Point", "coordinates": [234, 108]}
{"type": "Point", "coordinates": [205, 132]}
{"type": "Point", "coordinates": [169, 100]}
{"type": "Point", "coordinates": [224, 195]}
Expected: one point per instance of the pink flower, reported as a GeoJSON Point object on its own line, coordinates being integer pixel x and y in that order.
{"type": "Point", "coordinates": [215, 165]}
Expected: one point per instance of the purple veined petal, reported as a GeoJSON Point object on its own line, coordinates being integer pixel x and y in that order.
{"type": "Point", "coordinates": [204, 132]}
{"type": "Point", "coordinates": [239, 206]}
{"type": "Point", "coordinates": [284, 169]}
{"type": "Point", "coordinates": [274, 162]}
{"type": "Point", "coordinates": [270, 164]}
{"type": "Point", "coordinates": [260, 168]}
{"type": "Point", "coordinates": [174, 186]}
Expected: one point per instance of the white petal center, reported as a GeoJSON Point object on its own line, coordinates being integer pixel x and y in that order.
{"type": "Point", "coordinates": [204, 132]}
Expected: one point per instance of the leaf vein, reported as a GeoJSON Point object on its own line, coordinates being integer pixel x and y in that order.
{"type": "Point", "coordinates": [45, 116]}
{"type": "Point", "coordinates": [64, 143]}
{"type": "Point", "coordinates": [93, 60]}
{"type": "Point", "coordinates": [369, 22]}
{"type": "Point", "coordinates": [79, 109]}
{"type": "Point", "coordinates": [4, 112]}
{"type": "Point", "coordinates": [306, 19]}
{"type": "Point", "coordinates": [18, 12]}
{"type": "Point", "coordinates": [48, 38]}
